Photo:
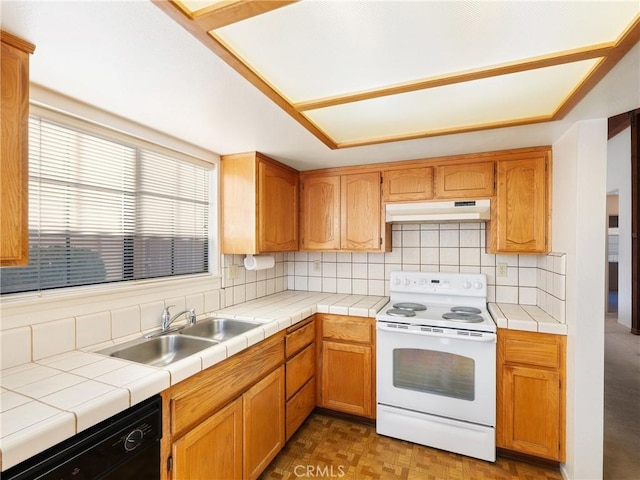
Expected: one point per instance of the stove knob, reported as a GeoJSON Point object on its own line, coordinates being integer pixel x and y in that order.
{"type": "Point", "coordinates": [397, 281]}
{"type": "Point", "coordinates": [477, 285]}
{"type": "Point", "coordinates": [406, 282]}
{"type": "Point", "coordinates": [466, 284]}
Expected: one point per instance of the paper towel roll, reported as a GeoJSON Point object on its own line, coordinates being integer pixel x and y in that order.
{"type": "Point", "coordinates": [259, 262]}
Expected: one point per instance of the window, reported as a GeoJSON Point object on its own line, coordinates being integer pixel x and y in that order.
{"type": "Point", "coordinates": [104, 209]}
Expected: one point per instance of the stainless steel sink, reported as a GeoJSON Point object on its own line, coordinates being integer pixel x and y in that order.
{"type": "Point", "coordinates": [219, 329]}
{"type": "Point", "coordinates": [158, 351]}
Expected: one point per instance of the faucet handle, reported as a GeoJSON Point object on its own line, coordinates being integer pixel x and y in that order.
{"type": "Point", "coordinates": [192, 316]}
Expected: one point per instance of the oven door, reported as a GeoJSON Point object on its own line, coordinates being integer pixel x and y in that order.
{"type": "Point", "coordinates": [448, 373]}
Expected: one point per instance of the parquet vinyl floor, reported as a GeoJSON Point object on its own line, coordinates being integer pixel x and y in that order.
{"type": "Point", "coordinates": [332, 448]}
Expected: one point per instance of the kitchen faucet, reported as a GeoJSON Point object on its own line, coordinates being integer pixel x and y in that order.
{"type": "Point", "coordinates": [167, 319]}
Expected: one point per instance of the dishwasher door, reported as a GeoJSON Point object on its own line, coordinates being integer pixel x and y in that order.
{"type": "Point", "coordinates": [124, 447]}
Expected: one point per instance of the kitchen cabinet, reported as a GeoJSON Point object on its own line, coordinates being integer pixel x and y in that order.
{"type": "Point", "coordinates": [320, 213]}
{"type": "Point", "coordinates": [300, 370]}
{"type": "Point", "coordinates": [213, 449]}
{"type": "Point", "coordinates": [465, 180]}
{"type": "Point", "coordinates": [343, 212]}
{"type": "Point", "coordinates": [531, 394]}
{"type": "Point", "coordinates": [259, 205]}
{"type": "Point", "coordinates": [409, 184]}
{"type": "Point", "coordinates": [347, 364]}
{"type": "Point", "coordinates": [199, 417]}
{"type": "Point", "coordinates": [14, 162]}
{"type": "Point", "coordinates": [520, 216]}
{"type": "Point", "coordinates": [263, 422]}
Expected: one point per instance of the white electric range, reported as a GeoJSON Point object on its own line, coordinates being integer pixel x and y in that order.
{"type": "Point", "coordinates": [436, 363]}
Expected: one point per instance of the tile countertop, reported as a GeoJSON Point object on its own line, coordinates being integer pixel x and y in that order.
{"type": "Point", "coordinates": [525, 317]}
{"type": "Point", "coordinates": [48, 401]}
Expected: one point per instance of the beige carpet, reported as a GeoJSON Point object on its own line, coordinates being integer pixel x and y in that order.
{"type": "Point", "coordinates": [621, 402]}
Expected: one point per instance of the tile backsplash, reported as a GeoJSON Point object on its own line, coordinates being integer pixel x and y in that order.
{"type": "Point", "coordinates": [446, 247]}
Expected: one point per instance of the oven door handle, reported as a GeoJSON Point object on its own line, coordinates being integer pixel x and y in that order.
{"type": "Point", "coordinates": [486, 336]}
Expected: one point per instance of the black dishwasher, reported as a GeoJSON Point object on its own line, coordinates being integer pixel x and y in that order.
{"type": "Point", "coordinates": [123, 447]}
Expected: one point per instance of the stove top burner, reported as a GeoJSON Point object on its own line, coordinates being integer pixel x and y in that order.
{"type": "Point", "coordinates": [399, 312]}
{"type": "Point", "coordinates": [466, 309]}
{"type": "Point", "coordinates": [415, 307]}
{"type": "Point", "coordinates": [463, 317]}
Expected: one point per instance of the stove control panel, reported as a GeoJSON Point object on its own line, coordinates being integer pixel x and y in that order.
{"type": "Point", "coordinates": [439, 283]}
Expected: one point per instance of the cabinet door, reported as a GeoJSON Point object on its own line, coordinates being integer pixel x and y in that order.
{"type": "Point", "coordinates": [531, 411]}
{"type": "Point", "coordinates": [469, 180]}
{"type": "Point", "coordinates": [408, 184]}
{"type": "Point", "coordinates": [346, 378]}
{"type": "Point", "coordinates": [521, 213]}
{"type": "Point", "coordinates": [213, 449]}
{"type": "Point", "coordinates": [361, 212]}
{"type": "Point", "coordinates": [278, 209]}
{"type": "Point", "coordinates": [263, 408]}
{"type": "Point", "coordinates": [320, 215]}
{"type": "Point", "coordinates": [14, 169]}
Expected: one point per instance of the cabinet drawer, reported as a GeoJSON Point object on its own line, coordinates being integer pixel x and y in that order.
{"type": "Point", "coordinates": [299, 407]}
{"type": "Point", "coordinates": [531, 348]}
{"type": "Point", "coordinates": [347, 329]}
{"type": "Point", "coordinates": [299, 339]}
{"type": "Point", "coordinates": [300, 369]}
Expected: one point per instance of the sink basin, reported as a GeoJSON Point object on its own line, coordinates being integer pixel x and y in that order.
{"type": "Point", "coordinates": [219, 329]}
{"type": "Point", "coordinates": [158, 351]}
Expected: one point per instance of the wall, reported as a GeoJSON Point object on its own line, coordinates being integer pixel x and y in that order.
{"type": "Point", "coordinates": [578, 225]}
{"type": "Point", "coordinates": [618, 175]}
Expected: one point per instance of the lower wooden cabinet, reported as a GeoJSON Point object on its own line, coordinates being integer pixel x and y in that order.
{"type": "Point", "coordinates": [263, 424]}
{"type": "Point", "coordinates": [213, 449]}
{"type": "Point", "coordinates": [347, 364]}
{"type": "Point", "coordinates": [228, 420]}
{"type": "Point", "coordinates": [531, 394]}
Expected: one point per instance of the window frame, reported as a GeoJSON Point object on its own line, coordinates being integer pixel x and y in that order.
{"type": "Point", "coordinates": [118, 130]}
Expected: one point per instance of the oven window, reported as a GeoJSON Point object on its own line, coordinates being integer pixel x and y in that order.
{"type": "Point", "coordinates": [439, 373]}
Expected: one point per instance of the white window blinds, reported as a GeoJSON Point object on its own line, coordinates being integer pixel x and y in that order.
{"type": "Point", "coordinates": [102, 210]}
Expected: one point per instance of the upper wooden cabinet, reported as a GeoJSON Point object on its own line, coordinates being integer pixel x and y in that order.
{"type": "Point", "coordinates": [361, 212]}
{"type": "Point", "coordinates": [259, 205]}
{"type": "Point", "coordinates": [320, 213]}
{"type": "Point", "coordinates": [459, 181]}
{"type": "Point", "coordinates": [520, 217]}
{"type": "Point", "coordinates": [408, 184]}
{"type": "Point", "coordinates": [14, 162]}
{"type": "Point", "coordinates": [342, 212]}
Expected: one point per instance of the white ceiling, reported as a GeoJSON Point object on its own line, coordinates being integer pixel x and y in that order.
{"type": "Point", "coordinates": [129, 58]}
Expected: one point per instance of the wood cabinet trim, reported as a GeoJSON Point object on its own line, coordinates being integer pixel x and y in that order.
{"type": "Point", "coordinates": [430, 161]}
{"type": "Point", "coordinates": [17, 42]}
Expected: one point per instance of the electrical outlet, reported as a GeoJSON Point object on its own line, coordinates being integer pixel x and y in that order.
{"type": "Point", "coordinates": [234, 272]}
{"type": "Point", "coordinates": [317, 266]}
{"type": "Point", "coordinates": [501, 270]}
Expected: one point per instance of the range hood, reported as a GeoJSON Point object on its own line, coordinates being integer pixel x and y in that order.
{"type": "Point", "coordinates": [422, 212]}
